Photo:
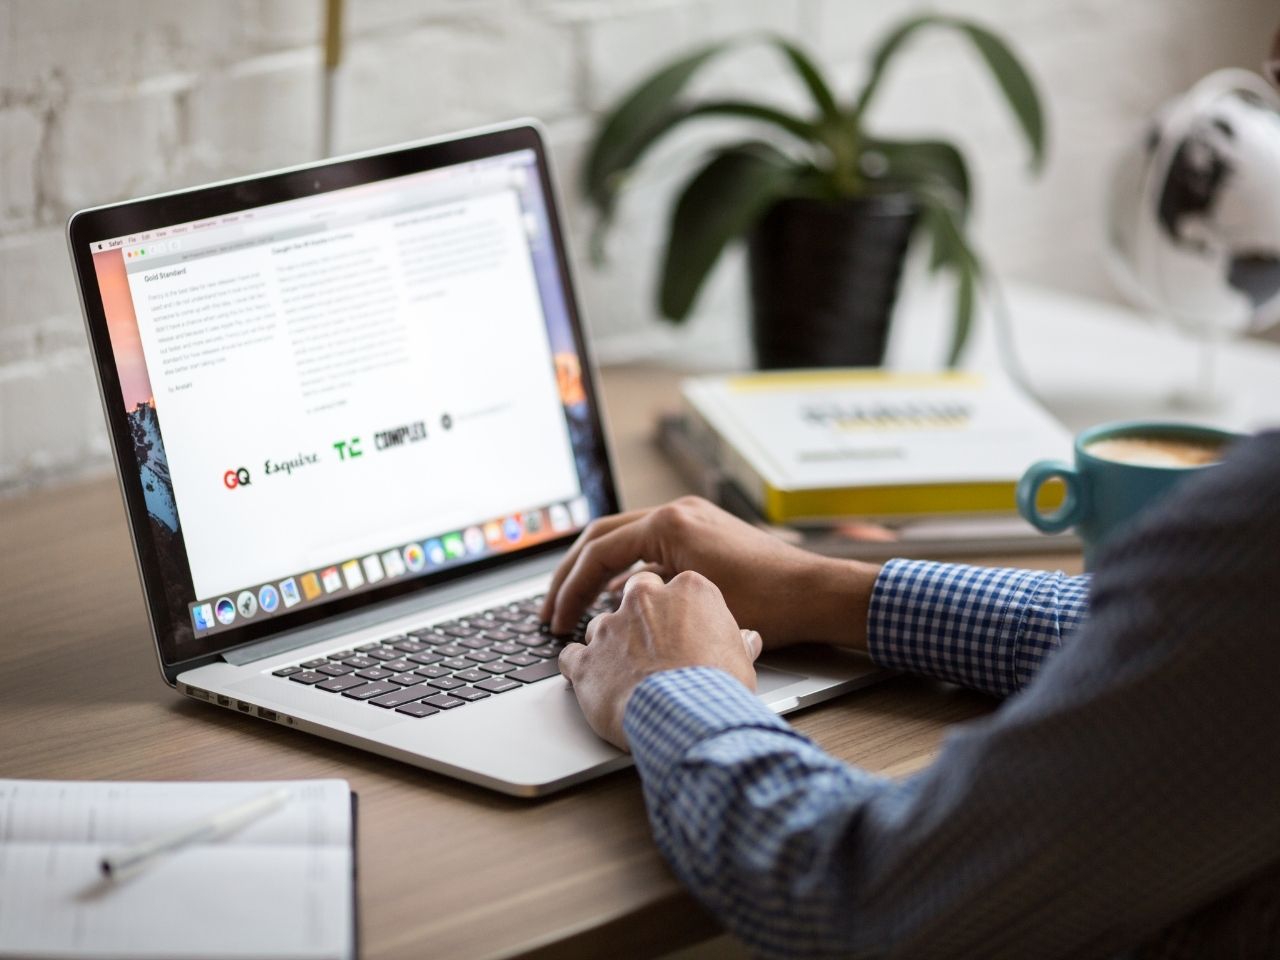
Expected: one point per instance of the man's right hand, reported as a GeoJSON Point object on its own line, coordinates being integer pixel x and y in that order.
{"type": "Point", "coordinates": [786, 594]}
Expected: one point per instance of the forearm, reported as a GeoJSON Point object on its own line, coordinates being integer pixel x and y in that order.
{"type": "Point", "coordinates": [752, 816]}
{"type": "Point", "coordinates": [990, 629]}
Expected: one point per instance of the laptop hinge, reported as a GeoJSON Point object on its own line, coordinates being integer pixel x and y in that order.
{"type": "Point", "coordinates": [382, 613]}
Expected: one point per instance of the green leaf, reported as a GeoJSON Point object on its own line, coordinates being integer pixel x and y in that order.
{"type": "Point", "coordinates": [951, 250]}
{"type": "Point", "coordinates": [720, 203]}
{"type": "Point", "coordinates": [640, 117]}
{"type": "Point", "coordinates": [811, 76]}
{"type": "Point", "coordinates": [936, 162]}
{"type": "Point", "coordinates": [884, 53]}
{"type": "Point", "coordinates": [606, 201]}
{"type": "Point", "coordinates": [1015, 83]}
{"type": "Point", "coordinates": [1013, 79]}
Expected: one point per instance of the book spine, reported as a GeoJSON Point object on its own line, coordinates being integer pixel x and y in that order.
{"type": "Point", "coordinates": [724, 456]}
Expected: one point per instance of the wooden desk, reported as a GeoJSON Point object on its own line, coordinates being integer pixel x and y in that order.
{"type": "Point", "coordinates": [446, 869]}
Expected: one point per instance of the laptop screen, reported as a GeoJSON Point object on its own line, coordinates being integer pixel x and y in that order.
{"type": "Point", "coordinates": [331, 396]}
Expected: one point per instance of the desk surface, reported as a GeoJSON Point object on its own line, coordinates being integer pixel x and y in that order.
{"type": "Point", "coordinates": [445, 869]}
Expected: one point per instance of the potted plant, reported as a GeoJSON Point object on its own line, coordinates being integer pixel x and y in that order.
{"type": "Point", "coordinates": [827, 207]}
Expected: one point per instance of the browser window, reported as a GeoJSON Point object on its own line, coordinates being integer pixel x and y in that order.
{"type": "Point", "coordinates": [335, 392]}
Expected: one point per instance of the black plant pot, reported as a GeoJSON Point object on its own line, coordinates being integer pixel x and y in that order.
{"type": "Point", "coordinates": [824, 276]}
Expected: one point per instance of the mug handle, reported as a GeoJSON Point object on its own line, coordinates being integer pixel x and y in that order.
{"type": "Point", "coordinates": [1073, 507]}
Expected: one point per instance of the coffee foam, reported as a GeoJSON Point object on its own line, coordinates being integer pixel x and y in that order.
{"type": "Point", "coordinates": [1156, 451]}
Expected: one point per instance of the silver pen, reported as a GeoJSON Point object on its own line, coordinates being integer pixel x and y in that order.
{"type": "Point", "coordinates": [123, 863]}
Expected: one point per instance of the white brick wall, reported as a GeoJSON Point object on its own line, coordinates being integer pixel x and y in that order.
{"type": "Point", "coordinates": [102, 100]}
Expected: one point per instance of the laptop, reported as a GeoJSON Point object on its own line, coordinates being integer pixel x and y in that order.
{"type": "Point", "coordinates": [356, 426]}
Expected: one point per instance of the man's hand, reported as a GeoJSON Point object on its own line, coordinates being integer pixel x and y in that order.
{"type": "Point", "coordinates": [787, 594]}
{"type": "Point", "coordinates": [684, 623]}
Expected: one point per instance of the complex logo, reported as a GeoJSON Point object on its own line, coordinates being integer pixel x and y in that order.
{"type": "Point", "coordinates": [268, 599]}
{"type": "Point", "coordinates": [399, 436]}
{"type": "Point", "coordinates": [236, 478]}
{"type": "Point", "coordinates": [247, 603]}
{"type": "Point", "coordinates": [203, 615]}
{"type": "Point", "coordinates": [414, 557]}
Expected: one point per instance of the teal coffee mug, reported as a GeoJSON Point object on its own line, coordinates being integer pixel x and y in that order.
{"type": "Point", "coordinates": [1121, 469]}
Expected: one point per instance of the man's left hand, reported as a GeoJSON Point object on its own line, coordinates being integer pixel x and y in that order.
{"type": "Point", "coordinates": [659, 626]}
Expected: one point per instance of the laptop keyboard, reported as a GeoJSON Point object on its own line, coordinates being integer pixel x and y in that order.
{"type": "Point", "coordinates": [449, 664]}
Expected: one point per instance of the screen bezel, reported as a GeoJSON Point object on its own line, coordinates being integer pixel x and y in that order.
{"type": "Point", "coordinates": [130, 217]}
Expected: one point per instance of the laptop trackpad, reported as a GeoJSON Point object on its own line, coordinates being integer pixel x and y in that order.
{"type": "Point", "coordinates": [769, 679]}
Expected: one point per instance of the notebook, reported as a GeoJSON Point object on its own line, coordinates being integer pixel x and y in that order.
{"type": "Point", "coordinates": [282, 886]}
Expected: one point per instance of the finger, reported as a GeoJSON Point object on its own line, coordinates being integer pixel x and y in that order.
{"type": "Point", "coordinates": [618, 582]}
{"type": "Point", "coordinates": [571, 661]}
{"type": "Point", "coordinates": [599, 562]}
{"type": "Point", "coordinates": [639, 577]}
{"type": "Point", "coordinates": [600, 527]}
{"type": "Point", "coordinates": [753, 642]}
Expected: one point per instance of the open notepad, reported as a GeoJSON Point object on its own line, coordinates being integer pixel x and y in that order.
{"type": "Point", "coordinates": [282, 886]}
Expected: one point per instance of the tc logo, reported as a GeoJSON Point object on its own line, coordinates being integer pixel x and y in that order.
{"type": "Point", "coordinates": [236, 478]}
{"type": "Point", "coordinates": [348, 449]}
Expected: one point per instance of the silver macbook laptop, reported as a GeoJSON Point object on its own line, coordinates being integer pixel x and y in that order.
{"type": "Point", "coordinates": [356, 427]}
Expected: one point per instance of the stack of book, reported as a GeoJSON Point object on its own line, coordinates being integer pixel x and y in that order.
{"type": "Point", "coordinates": [869, 463]}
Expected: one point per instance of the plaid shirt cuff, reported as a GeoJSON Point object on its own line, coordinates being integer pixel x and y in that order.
{"type": "Point", "coordinates": [671, 712]}
{"type": "Point", "coordinates": [986, 628]}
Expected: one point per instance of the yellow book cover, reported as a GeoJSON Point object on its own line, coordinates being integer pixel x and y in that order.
{"type": "Point", "coordinates": [820, 445]}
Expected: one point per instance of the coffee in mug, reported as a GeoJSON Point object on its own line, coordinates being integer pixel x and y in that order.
{"type": "Point", "coordinates": [1156, 451]}
{"type": "Point", "coordinates": [1120, 470]}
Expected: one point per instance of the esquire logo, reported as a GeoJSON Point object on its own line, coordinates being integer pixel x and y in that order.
{"type": "Point", "coordinates": [288, 466]}
{"type": "Point", "coordinates": [399, 436]}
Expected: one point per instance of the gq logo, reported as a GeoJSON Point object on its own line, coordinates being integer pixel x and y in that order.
{"type": "Point", "coordinates": [236, 478]}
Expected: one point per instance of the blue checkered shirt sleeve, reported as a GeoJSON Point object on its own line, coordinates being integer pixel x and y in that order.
{"type": "Point", "coordinates": [1124, 800]}
{"type": "Point", "coordinates": [986, 628]}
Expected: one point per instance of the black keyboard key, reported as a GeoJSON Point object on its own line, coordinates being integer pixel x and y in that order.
{"type": "Point", "coordinates": [424, 659]}
{"type": "Point", "coordinates": [339, 684]}
{"type": "Point", "coordinates": [366, 647]}
{"type": "Point", "coordinates": [474, 643]}
{"type": "Point", "coordinates": [482, 656]}
{"type": "Point", "coordinates": [468, 693]}
{"type": "Point", "coordinates": [382, 653]}
{"type": "Point", "coordinates": [307, 676]}
{"type": "Point", "coordinates": [497, 684]}
{"type": "Point", "coordinates": [406, 679]}
{"type": "Point", "coordinates": [547, 668]}
{"type": "Point", "coordinates": [318, 662]}
{"type": "Point", "coordinates": [426, 634]}
{"type": "Point", "coordinates": [460, 632]}
{"type": "Point", "coordinates": [286, 671]}
{"type": "Point", "coordinates": [508, 616]}
{"type": "Point", "coordinates": [500, 636]}
{"type": "Point", "coordinates": [445, 683]}
{"type": "Point", "coordinates": [472, 675]}
{"type": "Point", "coordinates": [450, 650]}
{"type": "Point", "coordinates": [432, 672]}
{"type": "Point", "coordinates": [417, 709]}
{"type": "Point", "coordinates": [455, 663]}
{"type": "Point", "coordinates": [444, 701]}
{"type": "Point", "coordinates": [505, 648]}
{"type": "Point", "coordinates": [370, 690]}
{"type": "Point", "coordinates": [398, 697]}
{"type": "Point", "coordinates": [523, 659]}
{"type": "Point", "coordinates": [547, 650]}
{"type": "Point", "coordinates": [525, 628]}
{"type": "Point", "coordinates": [398, 666]}
{"type": "Point", "coordinates": [375, 673]}
{"type": "Point", "coordinates": [361, 662]}
{"type": "Point", "coordinates": [334, 670]}
{"type": "Point", "coordinates": [534, 640]}
{"type": "Point", "coordinates": [342, 655]}
{"type": "Point", "coordinates": [496, 667]}
{"type": "Point", "coordinates": [410, 646]}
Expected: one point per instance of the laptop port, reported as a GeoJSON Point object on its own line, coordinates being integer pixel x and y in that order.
{"type": "Point", "coordinates": [197, 692]}
{"type": "Point", "coordinates": [244, 707]}
{"type": "Point", "coordinates": [266, 714]}
{"type": "Point", "coordinates": [224, 701]}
